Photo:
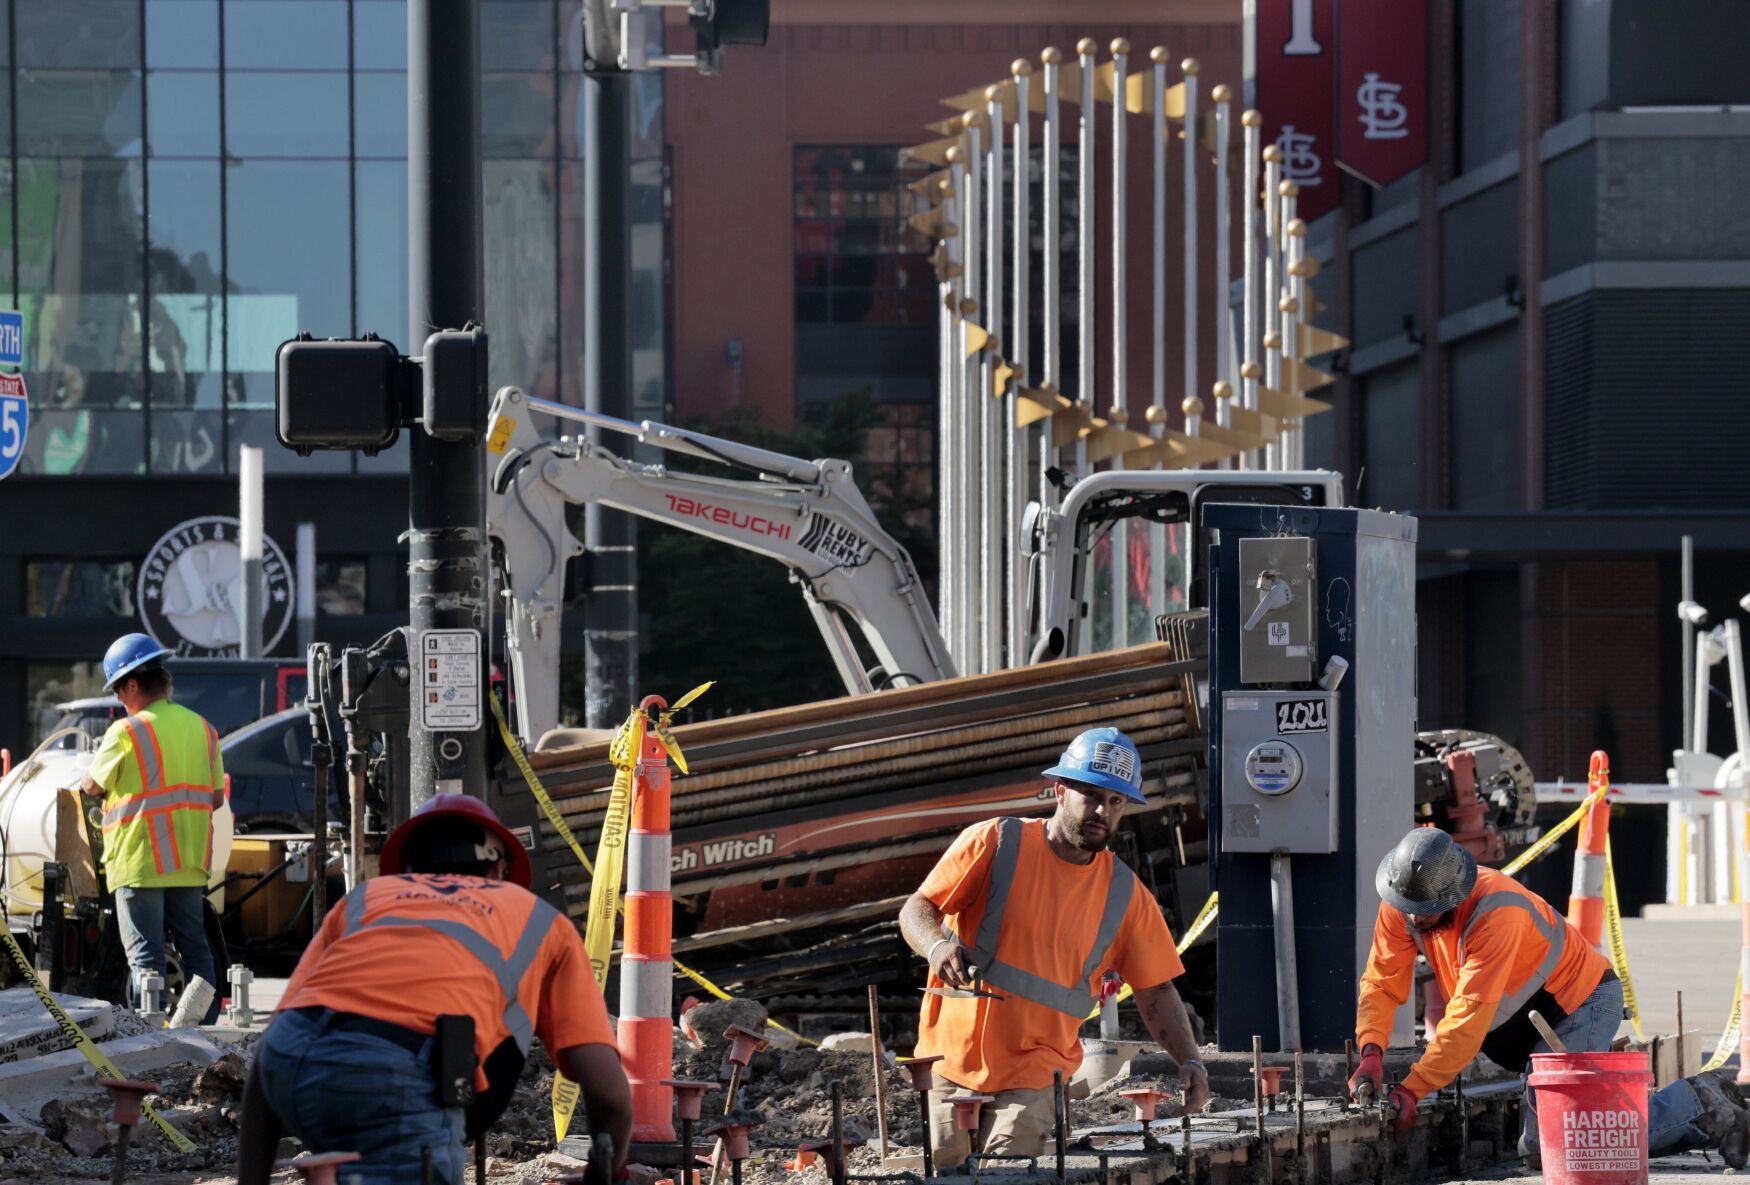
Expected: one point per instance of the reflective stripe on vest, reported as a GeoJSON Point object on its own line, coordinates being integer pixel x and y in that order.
{"type": "Point", "coordinates": [1554, 931]}
{"type": "Point", "coordinates": [509, 971]}
{"type": "Point", "coordinates": [1073, 999]}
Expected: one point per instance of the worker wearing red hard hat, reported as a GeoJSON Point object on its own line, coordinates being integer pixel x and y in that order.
{"type": "Point", "coordinates": [1500, 952]}
{"type": "Point", "coordinates": [370, 1050]}
{"type": "Point", "coordinates": [160, 776]}
{"type": "Point", "coordinates": [1019, 921]}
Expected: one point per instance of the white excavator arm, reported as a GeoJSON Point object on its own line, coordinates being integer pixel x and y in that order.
{"type": "Point", "coordinates": [807, 515]}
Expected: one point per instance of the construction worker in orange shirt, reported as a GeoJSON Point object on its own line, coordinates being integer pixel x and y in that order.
{"type": "Point", "coordinates": [1030, 915]}
{"type": "Point", "coordinates": [1499, 952]}
{"type": "Point", "coordinates": [408, 1019]}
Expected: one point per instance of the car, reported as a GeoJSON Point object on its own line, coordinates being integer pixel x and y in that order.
{"type": "Point", "coordinates": [273, 787]}
{"type": "Point", "coordinates": [228, 692]}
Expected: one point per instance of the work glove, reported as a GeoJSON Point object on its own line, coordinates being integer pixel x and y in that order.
{"type": "Point", "coordinates": [1404, 1103]}
{"type": "Point", "coordinates": [1371, 1071]}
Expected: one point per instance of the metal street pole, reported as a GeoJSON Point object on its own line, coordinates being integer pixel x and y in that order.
{"type": "Point", "coordinates": [249, 543]}
{"type": "Point", "coordinates": [610, 636]}
{"type": "Point", "coordinates": [446, 565]}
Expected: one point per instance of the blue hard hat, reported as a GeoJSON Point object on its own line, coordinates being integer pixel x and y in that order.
{"type": "Point", "coordinates": [128, 654]}
{"type": "Point", "coordinates": [1102, 757]}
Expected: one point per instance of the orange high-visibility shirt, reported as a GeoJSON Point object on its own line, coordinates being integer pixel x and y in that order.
{"type": "Point", "coordinates": [1504, 952]}
{"type": "Point", "coordinates": [408, 949]}
{"type": "Point", "coordinates": [1050, 922]}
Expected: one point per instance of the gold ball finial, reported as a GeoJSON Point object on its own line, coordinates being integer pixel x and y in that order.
{"type": "Point", "coordinates": [1221, 93]}
{"type": "Point", "coordinates": [1252, 118]}
{"type": "Point", "coordinates": [945, 188]}
{"type": "Point", "coordinates": [1160, 57]}
{"type": "Point", "coordinates": [1018, 369]}
{"type": "Point", "coordinates": [1190, 66]}
{"type": "Point", "coordinates": [1273, 155]}
{"type": "Point", "coordinates": [969, 306]}
{"type": "Point", "coordinates": [1155, 415]}
{"type": "Point", "coordinates": [954, 155]}
{"type": "Point", "coordinates": [993, 92]}
{"type": "Point", "coordinates": [1051, 55]}
{"type": "Point", "coordinates": [1020, 68]}
{"type": "Point", "coordinates": [1251, 370]}
{"type": "Point", "coordinates": [1288, 304]}
{"type": "Point", "coordinates": [1272, 340]}
{"type": "Point", "coordinates": [953, 271]}
{"type": "Point", "coordinates": [1087, 47]}
{"type": "Point", "coordinates": [1116, 414]}
{"type": "Point", "coordinates": [971, 120]}
{"type": "Point", "coordinates": [1288, 189]}
{"type": "Point", "coordinates": [995, 344]}
{"type": "Point", "coordinates": [1309, 267]}
{"type": "Point", "coordinates": [1119, 45]}
{"type": "Point", "coordinates": [1223, 389]}
{"type": "Point", "coordinates": [1296, 227]}
{"type": "Point", "coordinates": [1192, 406]}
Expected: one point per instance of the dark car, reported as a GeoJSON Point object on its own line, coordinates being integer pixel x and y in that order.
{"type": "Point", "coordinates": [273, 788]}
{"type": "Point", "coordinates": [228, 692]}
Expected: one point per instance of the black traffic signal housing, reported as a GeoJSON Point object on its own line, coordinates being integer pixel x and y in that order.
{"type": "Point", "coordinates": [731, 22]}
{"type": "Point", "coordinates": [338, 394]}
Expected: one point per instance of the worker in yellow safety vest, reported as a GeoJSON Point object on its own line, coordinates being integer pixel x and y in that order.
{"type": "Point", "coordinates": [160, 776]}
{"type": "Point", "coordinates": [1500, 952]}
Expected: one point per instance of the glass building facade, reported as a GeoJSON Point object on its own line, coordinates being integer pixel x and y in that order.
{"type": "Point", "coordinates": [191, 182]}
{"type": "Point", "coordinates": [185, 184]}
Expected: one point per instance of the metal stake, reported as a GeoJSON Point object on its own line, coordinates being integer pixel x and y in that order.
{"type": "Point", "coordinates": [480, 1159]}
{"type": "Point", "coordinates": [321, 761]}
{"type": "Point", "coordinates": [924, 1119]}
{"type": "Point", "coordinates": [118, 1168]}
{"type": "Point", "coordinates": [1060, 1117]}
{"type": "Point", "coordinates": [1299, 1112]}
{"type": "Point", "coordinates": [880, 1070]}
{"type": "Point", "coordinates": [838, 1132]}
{"type": "Point", "coordinates": [1348, 1068]}
{"type": "Point", "coordinates": [1258, 1100]}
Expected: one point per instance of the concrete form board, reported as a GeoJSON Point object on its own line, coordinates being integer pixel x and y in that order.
{"type": "Point", "coordinates": [27, 1029]}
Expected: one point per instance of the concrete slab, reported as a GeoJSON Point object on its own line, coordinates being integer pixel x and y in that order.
{"type": "Point", "coordinates": [1696, 956]}
{"type": "Point", "coordinates": [25, 1086]}
{"type": "Point", "coordinates": [27, 1029]}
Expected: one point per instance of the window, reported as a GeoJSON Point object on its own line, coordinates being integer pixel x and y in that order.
{"type": "Point", "coordinates": [1488, 80]}
{"type": "Point", "coordinates": [340, 587]}
{"type": "Point", "coordinates": [1487, 441]}
{"type": "Point", "coordinates": [50, 684]}
{"type": "Point", "coordinates": [1391, 438]}
{"type": "Point", "coordinates": [857, 261]}
{"type": "Point", "coordinates": [898, 470]}
{"type": "Point", "coordinates": [79, 589]}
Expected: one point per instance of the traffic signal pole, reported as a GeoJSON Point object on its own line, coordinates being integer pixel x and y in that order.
{"type": "Point", "coordinates": [610, 540]}
{"type": "Point", "coordinates": [446, 566]}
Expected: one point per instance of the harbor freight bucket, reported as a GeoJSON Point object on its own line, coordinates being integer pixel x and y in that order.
{"type": "Point", "coordinates": [1592, 1117]}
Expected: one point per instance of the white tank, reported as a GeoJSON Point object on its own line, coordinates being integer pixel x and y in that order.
{"type": "Point", "coordinates": [27, 824]}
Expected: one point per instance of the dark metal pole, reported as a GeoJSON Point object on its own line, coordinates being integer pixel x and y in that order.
{"type": "Point", "coordinates": [610, 637]}
{"type": "Point", "coordinates": [321, 762]}
{"type": "Point", "coordinates": [446, 487]}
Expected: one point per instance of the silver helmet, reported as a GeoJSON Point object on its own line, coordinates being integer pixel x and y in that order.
{"type": "Point", "coordinates": [1426, 874]}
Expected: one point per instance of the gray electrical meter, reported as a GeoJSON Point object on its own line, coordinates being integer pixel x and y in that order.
{"type": "Point", "coordinates": [1279, 771]}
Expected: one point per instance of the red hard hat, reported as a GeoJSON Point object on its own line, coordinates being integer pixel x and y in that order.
{"type": "Point", "coordinates": [464, 807]}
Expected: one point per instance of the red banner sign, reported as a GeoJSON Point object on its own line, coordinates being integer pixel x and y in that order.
{"type": "Point", "coordinates": [1296, 55]}
{"type": "Point", "coordinates": [1382, 88]}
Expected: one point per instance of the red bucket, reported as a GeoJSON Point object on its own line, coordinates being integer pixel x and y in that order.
{"type": "Point", "coordinates": [1592, 1117]}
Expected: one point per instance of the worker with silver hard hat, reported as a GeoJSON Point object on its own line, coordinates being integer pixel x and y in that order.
{"type": "Point", "coordinates": [1500, 952]}
{"type": "Point", "coordinates": [160, 776]}
{"type": "Point", "coordinates": [409, 1017]}
{"type": "Point", "coordinates": [1019, 921]}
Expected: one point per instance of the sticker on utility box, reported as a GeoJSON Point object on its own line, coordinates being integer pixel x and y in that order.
{"type": "Point", "coordinates": [1277, 633]}
{"type": "Point", "coordinates": [1302, 715]}
{"type": "Point", "coordinates": [449, 678]}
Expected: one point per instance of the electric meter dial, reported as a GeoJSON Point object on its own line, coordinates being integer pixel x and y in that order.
{"type": "Point", "coordinates": [1273, 767]}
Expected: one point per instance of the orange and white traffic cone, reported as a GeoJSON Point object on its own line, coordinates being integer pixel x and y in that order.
{"type": "Point", "coordinates": [1586, 901]}
{"type": "Point", "coordinates": [646, 1034]}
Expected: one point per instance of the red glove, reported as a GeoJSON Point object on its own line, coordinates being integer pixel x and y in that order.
{"type": "Point", "coordinates": [1405, 1102]}
{"type": "Point", "coordinates": [1370, 1070]}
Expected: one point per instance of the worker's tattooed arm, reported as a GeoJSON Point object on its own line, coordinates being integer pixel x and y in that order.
{"type": "Point", "coordinates": [1163, 1013]}
{"type": "Point", "coordinates": [921, 923]}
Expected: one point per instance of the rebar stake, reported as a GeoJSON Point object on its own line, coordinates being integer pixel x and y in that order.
{"type": "Point", "coordinates": [1299, 1111]}
{"type": "Point", "coordinates": [125, 1098]}
{"type": "Point", "coordinates": [838, 1132]}
{"type": "Point", "coordinates": [1348, 1068]}
{"type": "Point", "coordinates": [1060, 1119]}
{"type": "Point", "coordinates": [923, 1080]}
{"type": "Point", "coordinates": [320, 1169]}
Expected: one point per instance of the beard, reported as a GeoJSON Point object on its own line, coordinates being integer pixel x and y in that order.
{"type": "Point", "coordinates": [1078, 833]}
{"type": "Point", "coordinates": [1443, 922]}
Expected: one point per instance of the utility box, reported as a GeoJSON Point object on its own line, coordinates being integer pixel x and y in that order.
{"type": "Point", "coordinates": [1276, 639]}
{"type": "Point", "coordinates": [1279, 767]}
{"type": "Point", "coordinates": [1312, 754]}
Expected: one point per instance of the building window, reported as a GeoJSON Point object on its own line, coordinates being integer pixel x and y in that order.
{"type": "Point", "coordinates": [340, 587]}
{"type": "Point", "coordinates": [1489, 36]}
{"type": "Point", "coordinates": [898, 471]}
{"type": "Point", "coordinates": [857, 260]}
{"type": "Point", "coordinates": [47, 685]}
{"type": "Point", "coordinates": [79, 588]}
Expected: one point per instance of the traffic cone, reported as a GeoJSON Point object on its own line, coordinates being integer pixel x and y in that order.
{"type": "Point", "coordinates": [1586, 901]}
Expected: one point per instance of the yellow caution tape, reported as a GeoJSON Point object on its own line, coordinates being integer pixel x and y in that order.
{"type": "Point", "coordinates": [1555, 833]}
{"type": "Point", "coordinates": [604, 885]}
{"type": "Point", "coordinates": [1618, 949]}
{"type": "Point", "coordinates": [548, 808]}
{"type": "Point", "coordinates": [565, 1093]}
{"type": "Point", "coordinates": [1200, 923]}
{"type": "Point", "coordinates": [1728, 1043]}
{"type": "Point", "coordinates": [85, 1045]}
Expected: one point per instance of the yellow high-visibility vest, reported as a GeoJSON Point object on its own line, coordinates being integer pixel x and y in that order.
{"type": "Point", "coordinates": [164, 778]}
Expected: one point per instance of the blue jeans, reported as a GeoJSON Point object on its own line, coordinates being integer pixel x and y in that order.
{"type": "Point", "coordinates": [343, 1091]}
{"type": "Point", "coordinates": [143, 914]}
{"type": "Point", "coordinates": [1590, 1028]}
